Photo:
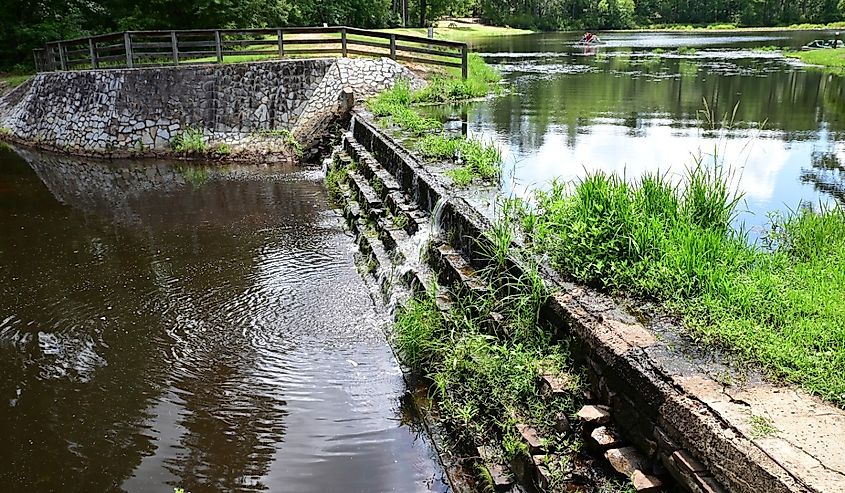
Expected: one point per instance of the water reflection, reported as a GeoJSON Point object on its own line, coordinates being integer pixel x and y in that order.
{"type": "Point", "coordinates": [164, 326]}
{"type": "Point", "coordinates": [827, 175]}
{"type": "Point", "coordinates": [628, 109]}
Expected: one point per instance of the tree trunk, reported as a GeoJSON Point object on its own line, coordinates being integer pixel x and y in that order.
{"type": "Point", "coordinates": [423, 8]}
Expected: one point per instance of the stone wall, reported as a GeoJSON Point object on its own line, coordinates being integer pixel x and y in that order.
{"type": "Point", "coordinates": [136, 111]}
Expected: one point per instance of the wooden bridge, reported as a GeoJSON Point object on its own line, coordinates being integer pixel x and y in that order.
{"type": "Point", "coordinates": [132, 49]}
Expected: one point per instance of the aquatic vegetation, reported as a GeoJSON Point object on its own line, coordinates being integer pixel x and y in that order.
{"type": "Point", "coordinates": [334, 176]}
{"type": "Point", "coordinates": [191, 141]}
{"type": "Point", "coordinates": [778, 304]}
{"type": "Point", "coordinates": [477, 159]}
{"type": "Point", "coordinates": [686, 50]}
{"type": "Point", "coordinates": [394, 105]}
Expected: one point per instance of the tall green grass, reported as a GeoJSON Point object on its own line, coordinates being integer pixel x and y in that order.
{"type": "Point", "coordinates": [481, 80]}
{"type": "Point", "coordinates": [780, 304]}
{"type": "Point", "coordinates": [394, 105]}
{"type": "Point", "coordinates": [477, 160]}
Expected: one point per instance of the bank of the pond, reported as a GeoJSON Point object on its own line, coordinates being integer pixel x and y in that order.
{"type": "Point", "coordinates": [778, 303]}
{"type": "Point", "coordinates": [729, 27]}
{"type": "Point", "coordinates": [828, 60]}
{"type": "Point", "coordinates": [457, 30]}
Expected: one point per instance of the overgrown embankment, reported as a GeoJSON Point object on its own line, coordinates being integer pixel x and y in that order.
{"type": "Point", "coordinates": [779, 303]}
{"type": "Point", "coordinates": [470, 159]}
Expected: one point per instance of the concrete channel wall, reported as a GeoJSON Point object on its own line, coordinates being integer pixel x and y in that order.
{"type": "Point", "coordinates": [681, 421]}
{"type": "Point", "coordinates": [140, 111]}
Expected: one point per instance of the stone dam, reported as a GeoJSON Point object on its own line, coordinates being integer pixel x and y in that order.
{"type": "Point", "coordinates": [138, 112]}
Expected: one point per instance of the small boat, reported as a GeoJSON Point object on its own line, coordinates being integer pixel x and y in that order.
{"type": "Point", "coordinates": [589, 39]}
{"type": "Point", "coordinates": [590, 43]}
{"type": "Point", "coordinates": [823, 44]}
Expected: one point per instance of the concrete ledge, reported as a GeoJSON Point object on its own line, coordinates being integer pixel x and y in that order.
{"type": "Point", "coordinates": [687, 423]}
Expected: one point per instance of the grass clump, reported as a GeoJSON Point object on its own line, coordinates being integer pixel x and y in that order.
{"type": "Point", "coordinates": [481, 80]}
{"type": "Point", "coordinates": [395, 106]}
{"type": "Point", "coordinates": [289, 138]}
{"type": "Point", "coordinates": [780, 304]}
{"type": "Point", "coordinates": [762, 427]}
{"type": "Point", "coordinates": [484, 374]}
{"type": "Point", "coordinates": [686, 50]}
{"type": "Point", "coordinates": [191, 141]}
{"type": "Point", "coordinates": [829, 60]}
{"type": "Point", "coordinates": [476, 159]}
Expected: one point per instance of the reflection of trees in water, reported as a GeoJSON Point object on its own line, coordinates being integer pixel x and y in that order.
{"type": "Point", "coordinates": [133, 267]}
{"type": "Point", "coordinates": [232, 428]}
{"type": "Point", "coordinates": [791, 101]}
{"type": "Point", "coordinates": [827, 176]}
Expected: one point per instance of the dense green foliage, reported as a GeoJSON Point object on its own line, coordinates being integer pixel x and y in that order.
{"type": "Point", "coordinates": [780, 303]}
{"type": "Point", "coordinates": [476, 159]}
{"type": "Point", "coordinates": [25, 25]}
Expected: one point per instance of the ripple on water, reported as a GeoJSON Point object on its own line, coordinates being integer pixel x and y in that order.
{"type": "Point", "coordinates": [214, 336]}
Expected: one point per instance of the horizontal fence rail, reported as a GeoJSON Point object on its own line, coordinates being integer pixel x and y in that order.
{"type": "Point", "coordinates": [131, 49]}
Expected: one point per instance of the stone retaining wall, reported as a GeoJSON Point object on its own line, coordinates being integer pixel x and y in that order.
{"type": "Point", "coordinates": [138, 111]}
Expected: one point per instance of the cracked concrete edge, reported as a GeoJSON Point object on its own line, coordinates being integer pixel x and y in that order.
{"type": "Point", "coordinates": [691, 408]}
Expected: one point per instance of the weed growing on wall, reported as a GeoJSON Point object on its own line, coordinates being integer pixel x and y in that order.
{"type": "Point", "coordinates": [191, 141]}
{"type": "Point", "coordinates": [287, 136]}
{"type": "Point", "coordinates": [484, 356]}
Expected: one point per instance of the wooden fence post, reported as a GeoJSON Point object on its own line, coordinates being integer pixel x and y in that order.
{"type": "Point", "coordinates": [281, 43]}
{"type": "Point", "coordinates": [127, 45]}
{"type": "Point", "coordinates": [92, 52]}
{"type": "Point", "coordinates": [35, 59]}
{"type": "Point", "coordinates": [218, 46]}
{"type": "Point", "coordinates": [464, 62]}
{"type": "Point", "coordinates": [343, 42]}
{"type": "Point", "coordinates": [62, 59]}
{"type": "Point", "coordinates": [393, 46]}
{"type": "Point", "coordinates": [174, 47]}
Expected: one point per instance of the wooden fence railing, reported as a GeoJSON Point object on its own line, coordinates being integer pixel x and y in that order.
{"type": "Point", "coordinates": [133, 49]}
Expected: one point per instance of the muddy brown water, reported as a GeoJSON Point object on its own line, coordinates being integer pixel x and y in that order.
{"type": "Point", "coordinates": [168, 326]}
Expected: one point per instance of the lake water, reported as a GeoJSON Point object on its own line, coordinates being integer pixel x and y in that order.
{"type": "Point", "coordinates": [625, 108]}
{"type": "Point", "coordinates": [168, 326]}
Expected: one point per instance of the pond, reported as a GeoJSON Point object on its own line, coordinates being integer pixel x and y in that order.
{"type": "Point", "coordinates": [169, 326]}
{"type": "Point", "coordinates": [636, 105]}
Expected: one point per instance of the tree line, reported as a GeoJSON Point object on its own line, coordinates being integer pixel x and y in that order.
{"type": "Point", "coordinates": [26, 24]}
